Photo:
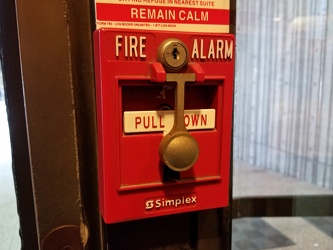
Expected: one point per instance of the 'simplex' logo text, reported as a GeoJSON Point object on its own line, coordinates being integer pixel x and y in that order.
{"type": "Point", "coordinates": [171, 202]}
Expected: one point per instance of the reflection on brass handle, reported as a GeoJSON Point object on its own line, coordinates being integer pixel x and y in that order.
{"type": "Point", "coordinates": [178, 149]}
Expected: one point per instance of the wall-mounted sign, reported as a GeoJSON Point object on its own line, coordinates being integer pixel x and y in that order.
{"type": "Point", "coordinates": [207, 16]}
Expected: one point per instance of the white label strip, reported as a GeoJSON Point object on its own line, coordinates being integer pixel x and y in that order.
{"type": "Point", "coordinates": [165, 15]}
{"type": "Point", "coordinates": [162, 120]}
{"type": "Point", "coordinates": [202, 4]}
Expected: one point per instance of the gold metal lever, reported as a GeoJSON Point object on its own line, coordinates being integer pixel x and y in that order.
{"type": "Point", "coordinates": [178, 149]}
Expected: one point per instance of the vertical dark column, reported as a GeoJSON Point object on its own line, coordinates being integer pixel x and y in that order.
{"type": "Point", "coordinates": [46, 50]}
{"type": "Point", "coordinates": [11, 70]}
{"type": "Point", "coordinates": [81, 24]}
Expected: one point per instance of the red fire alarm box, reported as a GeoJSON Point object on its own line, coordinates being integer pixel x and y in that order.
{"type": "Point", "coordinates": [164, 95]}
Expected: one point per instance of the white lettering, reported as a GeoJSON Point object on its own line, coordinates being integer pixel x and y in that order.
{"type": "Point", "coordinates": [190, 16]}
{"type": "Point", "coordinates": [160, 203]}
{"type": "Point", "coordinates": [155, 14]}
{"type": "Point", "coordinates": [195, 50]}
{"type": "Point", "coordinates": [134, 13]}
{"type": "Point", "coordinates": [142, 13]}
{"type": "Point", "coordinates": [202, 49]}
{"type": "Point", "coordinates": [228, 50]}
{"type": "Point", "coordinates": [126, 46]}
{"type": "Point", "coordinates": [204, 16]}
{"type": "Point", "coordinates": [142, 46]}
{"type": "Point", "coordinates": [118, 44]}
{"type": "Point", "coordinates": [131, 46]}
{"type": "Point", "coordinates": [182, 15]}
{"type": "Point", "coordinates": [169, 203]}
{"type": "Point", "coordinates": [157, 203]}
{"type": "Point", "coordinates": [149, 204]}
{"type": "Point", "coordinates": [160, 15]}
{"type": "Point", "coordinates": [193, 15]}
{"type": "Point", "coordinates": [167, 14]}
{"type": "Point", "coordinates": [211, 51]}
{"type": "Point", "coordinates": [219, 49]}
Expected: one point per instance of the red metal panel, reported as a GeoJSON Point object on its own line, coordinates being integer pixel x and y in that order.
{"type": "Point", "coordinates": [132, 179]}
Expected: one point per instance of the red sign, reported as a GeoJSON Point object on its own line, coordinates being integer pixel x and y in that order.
{"type": "Point", "coordinates": [181, 15]}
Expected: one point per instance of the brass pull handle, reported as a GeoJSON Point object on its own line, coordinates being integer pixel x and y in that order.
{"type": "Point", "coordinates": [178, 149]}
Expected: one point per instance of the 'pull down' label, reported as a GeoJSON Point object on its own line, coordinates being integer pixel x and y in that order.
{"type": "Point", "coordinates": [162, 120]}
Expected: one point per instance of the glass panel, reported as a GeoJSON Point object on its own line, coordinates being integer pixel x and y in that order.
{"type": "Point", "coordinates": [284, 90]}
{"type": "Point", "coordinates": [9, 220]}
{"type": "Point", "coordinates": [283, 135]}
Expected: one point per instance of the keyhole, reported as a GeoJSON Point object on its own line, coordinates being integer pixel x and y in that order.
{"type": "Point", "coordinates": [175, 53]}
{"type": "Point", "coordinates": [172, 54]}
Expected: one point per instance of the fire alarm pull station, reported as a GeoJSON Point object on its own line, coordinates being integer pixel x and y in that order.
{"type": "Point", "coordinates": [164, 92]}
